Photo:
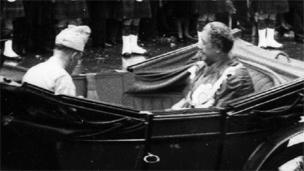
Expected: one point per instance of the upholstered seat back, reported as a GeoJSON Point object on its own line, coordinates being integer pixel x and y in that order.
{"type": "Point", "coordinates": [261, 81]}
{"type": "Point", "coordinates": [263, 78]}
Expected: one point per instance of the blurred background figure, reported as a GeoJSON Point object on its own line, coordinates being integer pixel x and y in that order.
{"type": "Point", "coordinates": [39, 26]}
{"type": "Point", "coordinates": [10, 10]}
{"type": "Point", "coordinates": [70, 12]}
{"type": "Point", "coordinates": [182, 12]}
{"type": "Point", "coordinates": [242, 17]}
{"type": "Point", "coordinates": [98, 12]}
{"type": "Point", "coordinates": [112, 23]}
{"type": "Point", "coordinates": [265, 15]}
{"type": "Point", "coordinates": [207, 11]}
{"type": "Point", "coordinates": [157, 26]}
{"type": "Point", "coordinates": [296, 19]}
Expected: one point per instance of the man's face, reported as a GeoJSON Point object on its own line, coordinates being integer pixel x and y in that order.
{"type": "Point", "coordinates": [206, 47]}
{"type": "Point", "coordinates": [74, 61]}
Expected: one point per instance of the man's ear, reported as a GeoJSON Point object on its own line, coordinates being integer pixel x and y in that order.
{"type": "Point", "coordinates": [76, 55]}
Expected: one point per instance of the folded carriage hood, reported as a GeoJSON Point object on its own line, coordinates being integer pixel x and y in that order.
{"type": "Point", "coordinates": [274, 59]}
{"type": "Point", "coordinates": [168, 69]}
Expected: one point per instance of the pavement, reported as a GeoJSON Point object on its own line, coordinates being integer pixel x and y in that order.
{"type": "Point", "coordinates": [96, 60]}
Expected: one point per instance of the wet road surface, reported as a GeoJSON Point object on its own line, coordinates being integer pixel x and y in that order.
{"type": "Point", "coordinates": [109, 59]}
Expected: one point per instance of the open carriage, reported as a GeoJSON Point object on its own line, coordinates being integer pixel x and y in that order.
{"type": "Point", "coordinates": [122, 123]}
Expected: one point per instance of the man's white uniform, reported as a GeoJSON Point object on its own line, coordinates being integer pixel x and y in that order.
{"type": "Point", "coordinates": [49, 75]}
{"type": "Point", "coordinates": [52, 74]}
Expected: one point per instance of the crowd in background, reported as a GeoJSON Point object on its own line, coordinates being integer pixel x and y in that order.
{"type": "Point", "coordinates": [30, 26]}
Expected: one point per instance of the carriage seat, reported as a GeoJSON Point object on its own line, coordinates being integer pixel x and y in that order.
{"type": "Point", "coordinates": [263, 78]}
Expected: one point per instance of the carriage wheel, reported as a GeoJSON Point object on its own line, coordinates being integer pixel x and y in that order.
{"type": "Point", "coordinates": [289, 158]}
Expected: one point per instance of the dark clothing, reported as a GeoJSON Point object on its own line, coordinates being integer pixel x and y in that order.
{"type": "Point", "coordinates": [296, 17]}
{"type": "Point", "coordinates": [217, 84]}
{"type": "Point", "coordinates": [99, 13]}
{"type": "Point", "coordinates": [97, 9]}
{"type": "Point", "coordinates": [39, 17]}
{"type": "Point", "coordinates": [70, 9]}
{"type": "Point", "coordinates": [210, 6]}
{"type": "Point", "coordinates": [270, 6]}
{"type": "Point", "coordinates": [112, 10]}
{"type": "Point", "coordinates": [130, 9]}
{"type": "Point", "coordinates": [181, 9]}
{"type": "Point", "coordinates": [242, 12]}
{"type": "Point", "coordinates": [11, 10]}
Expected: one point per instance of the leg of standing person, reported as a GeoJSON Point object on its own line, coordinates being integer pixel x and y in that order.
{"type": "Point", "coordinates": [206, 11]}
{"type": "Point", "coordinates": [39, 16]}
{"type": "Point", "coordinates": [20, 33]}
{"type": "Point", "coordinates": [126, 38]}
{"type": "Point", "coordinates": [8, 45]}
{"type": "Point", "coordinates": [70, 12]}
{"type": "Point", "coordinates": [271, 8]}
{"type": "Point", "coordinates": [241, 20]}
{"type": "Point", "coordinates": [135, 48]}
{"type": "Point", "coordinates": [152, 26]}
{"type": "Point", "coordinates": [97, 23]}
{"type": "Point", "coordinates": [298, 19]}
{"type": "Point", "coordinates": [132, 12]}
{"type": "Point", "coordinates": [112, 31]}
{"type": "Point", "coordinates": [201, 22]}
{"type": "Point", "coordinates": [187, 29]}
{"type": "Point", "coordinates": [162, 17]}
{"type": "Point", "coordinates": [179, 28]}
{"type": "Point", "coordinates": [46, 31]}
{"type": "Point", "coordinates": [10, 11]}
{"type": "Point", "coordinates": [254, 26]}
{"type": "Point", "coordinates": [30, 13]}
{"type": "Point", "coordinates": [270, 33]}
{"type": "Point", "coordinates": [113, 21]}
{"type": "Point", "coordinates": [261, 20]}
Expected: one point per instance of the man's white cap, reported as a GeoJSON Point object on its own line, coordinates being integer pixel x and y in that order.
{"type": "Point", "coordinates": [74, 37]}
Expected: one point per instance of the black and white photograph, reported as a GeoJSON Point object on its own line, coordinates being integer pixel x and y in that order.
{"type": "Point", "coordinates": [152, 85]}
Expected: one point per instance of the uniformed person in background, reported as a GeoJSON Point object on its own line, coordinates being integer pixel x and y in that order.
{"type": "Point", "coordinates": [265, 15]}
{"type": "Point", "coordinates": [40, 27]}
{"type": "Point", "coordinates": [208, 9]}
{"type": "Point", "coordinates": [69, 12]}
{"type": "Point", "coordinates": [10, 10]}
{"type": "Point", "coordinates": [182, 12]}
{"type": "Point", "coordinates": [131, 13]}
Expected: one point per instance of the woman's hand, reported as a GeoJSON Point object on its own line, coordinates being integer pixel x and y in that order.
{"type": "Point", "coordinates": [195, 68]}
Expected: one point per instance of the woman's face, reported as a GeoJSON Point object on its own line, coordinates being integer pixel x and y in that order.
{"type": "Point", "coordinates": [207, 48]}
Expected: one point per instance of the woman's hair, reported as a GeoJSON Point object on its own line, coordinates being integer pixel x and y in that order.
{"type": "Point", "coordinates": [220, 36]}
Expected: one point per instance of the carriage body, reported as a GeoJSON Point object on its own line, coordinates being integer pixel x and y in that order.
{"type": "Point", "coordinates": [111, 129]}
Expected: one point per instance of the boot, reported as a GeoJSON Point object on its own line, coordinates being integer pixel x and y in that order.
{"type": "Point", "coordinates": [8, 50]}
{"type": "Point", "coordinates": [270, 41]}
{"type": "Point", "coordinates": [134, 46]}
{"type": "Point", "coordinates": [262, 38]}
{"type": "Point", "coordinates": [126, 46]}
